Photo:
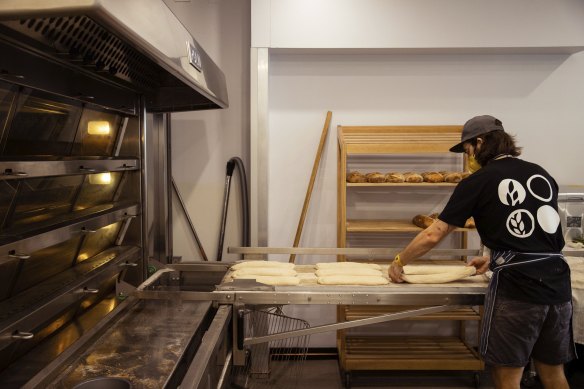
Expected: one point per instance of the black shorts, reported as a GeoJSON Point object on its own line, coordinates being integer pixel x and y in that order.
{"type": "Point", "coordinates": [520, 330]}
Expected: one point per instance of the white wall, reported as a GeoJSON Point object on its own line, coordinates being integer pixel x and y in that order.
{"type": "Point", "coordinates": [417, 23]}
{"type": "Point", "coordinates": [203, 142]}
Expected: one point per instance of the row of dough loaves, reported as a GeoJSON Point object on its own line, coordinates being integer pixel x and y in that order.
{"type": "Point", "coordinates": [349, 273]}
{"type": "Point", "coordinates": [409, 177]}
{"type": "Point", "coordinates": [266, 272]}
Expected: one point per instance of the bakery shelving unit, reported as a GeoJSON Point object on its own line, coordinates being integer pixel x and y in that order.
{"type": "Point", "coordinates": [387, 352]}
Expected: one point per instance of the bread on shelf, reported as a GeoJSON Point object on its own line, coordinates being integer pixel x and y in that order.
{"type": "Point", "coordinates": [394, 177]}
{"type": "Point", "coordinates": [375, 177]}
{"type": "Point", "coordinates": [356, 177]}
{"type": "Point", "coordinates": [412, 177]}
{"type": "Point", "coordinates": [433, 177]}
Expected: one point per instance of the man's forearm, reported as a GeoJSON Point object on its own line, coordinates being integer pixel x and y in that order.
{"type": "Point", "coordinates": [425, 241]}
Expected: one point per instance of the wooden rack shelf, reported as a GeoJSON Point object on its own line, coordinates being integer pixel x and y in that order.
{"type": "Point", "coordinates": [409, 353]}
{"type": "Point", "coordinates": [381, 352]}
{"type": "Point", "coordinates": [356, 312]}
{"type": "Point", "coordinates": [361, 225]}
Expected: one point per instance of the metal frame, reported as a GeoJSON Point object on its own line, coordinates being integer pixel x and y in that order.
{"type": "Point", "coordinates": [259, 88]}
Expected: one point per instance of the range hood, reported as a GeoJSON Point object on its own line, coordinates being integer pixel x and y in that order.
{"type": "Point", "coordinates": [84, 48]}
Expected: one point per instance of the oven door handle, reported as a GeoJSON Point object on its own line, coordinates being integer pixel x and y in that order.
{"type": "Point", "coordinates": [22, 335]}
{"type": "Point", "coordinates": [9, 172]}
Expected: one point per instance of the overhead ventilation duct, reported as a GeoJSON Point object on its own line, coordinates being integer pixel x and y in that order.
{"type": "Point", "coordinates": [83, 49]}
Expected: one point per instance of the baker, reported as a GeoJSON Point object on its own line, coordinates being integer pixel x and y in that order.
{"type": "Point", "coordinates": [528, 309]}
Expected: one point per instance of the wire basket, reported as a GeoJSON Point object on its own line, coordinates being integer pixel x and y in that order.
{"type": "Point", "coordinates": [273, 364]}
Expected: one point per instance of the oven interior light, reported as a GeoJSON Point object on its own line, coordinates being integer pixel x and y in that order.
{"type": "Point", "coordinates": [98, 127]}
{"type": "Point", "coordinates": [100, 179]}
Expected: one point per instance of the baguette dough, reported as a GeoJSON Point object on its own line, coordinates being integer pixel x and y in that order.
{"type": "Point", "coordinates": [264, 264]}
{"type": "Point", "coordinates": [432, 269]}
{"type": "Point", "coordinates": [261, 271]}
{"type": "Point", "coordinates": [352, 265]}
{"type": "Point", "coordinates": [273, 280]}
{"type": "Point", "coordinates": [355, 271]}
{"type": "Point", "coordinates": [353, 280]}
{"type": "Point", "coordinates": [440, 278]}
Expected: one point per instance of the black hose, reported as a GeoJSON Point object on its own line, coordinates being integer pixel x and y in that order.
{"type": "Point", "coordinates": [231, 164]}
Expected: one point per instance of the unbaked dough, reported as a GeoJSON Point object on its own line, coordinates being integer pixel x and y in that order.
{"type": "Point", "coordinates": [273, 280]}
{"type": "Point", "coordinates": [352, 265]}
{"type": "Point", "coordinates": [264, 264]}
{"type": "Point", "coordinates": [263, 271]}
{"type": "Point", "coordinates": [431, 269]}
{"type": "Point", "coordinates": [353, 280]}
{"type": "Point", "coordinates": [440, 278]}
{"type": "Point", "coordinates": [357, 271]}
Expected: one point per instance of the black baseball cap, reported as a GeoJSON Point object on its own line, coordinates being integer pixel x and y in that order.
{"type": "Point", "coordinates": [476, 126]}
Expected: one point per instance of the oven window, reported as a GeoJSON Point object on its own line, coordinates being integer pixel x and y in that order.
{"type": "Point", "coordinates": [6, 97]}
{"type": "Point", "coordinates": [98, 241]}
{"type": "Point", "coordinates": [97, 133]}
{"type": "Point", "coordinates": [42, 199]}
{"type": "Point", "coordinates": [98, 189]}
{"type": "Point", "coordinates": [7, 192]}
{"type": "Point", "coordinates": [42, 126]}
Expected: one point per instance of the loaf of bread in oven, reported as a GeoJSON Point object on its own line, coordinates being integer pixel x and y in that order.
{"type": "Point", "coordinates": [394, 177]}
{"type": "Point", "coordinates": [375, 177]}
{"type": "Point", "coordinates": [432, 177]}
{"type": "Point", "coordinates": [413, 177]}
{"type": "Point", "coordinates": [356, 177]}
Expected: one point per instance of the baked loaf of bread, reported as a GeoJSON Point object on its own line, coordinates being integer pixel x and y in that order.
{"type": "Point", "coordinates": [413, 177]}
{"type": "Point", "coordinates": [422, 221]}
{"type": "Point", "coordinates": [470, 223]}
{"type": "Point", "coordinates": [432, 177]}
{"type": "Point", "coordinates": [356, 177]}
{"type": "Point", "coordinates": [453, 177]}
{"type": "Point", "coordinates": [375, 177]}
{"type": "Point", "coordinates": [394, 177]}
{"type": "Point", "coordinates": [465, 174]}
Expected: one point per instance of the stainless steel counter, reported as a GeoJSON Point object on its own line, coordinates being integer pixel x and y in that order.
{"type": "Point", "coordinates": [145, 345]}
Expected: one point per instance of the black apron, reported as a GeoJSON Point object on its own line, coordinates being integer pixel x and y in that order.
{"type": "Point", "coordinates": [501, 260]}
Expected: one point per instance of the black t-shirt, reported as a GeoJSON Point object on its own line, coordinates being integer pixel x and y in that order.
{"type": "Point", "coordinates": [515, 207]}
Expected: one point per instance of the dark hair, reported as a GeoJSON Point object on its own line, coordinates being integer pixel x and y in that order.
{"type": "Point", "coordinates": [495, 143]}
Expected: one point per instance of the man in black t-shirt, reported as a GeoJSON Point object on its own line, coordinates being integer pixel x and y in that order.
{"type": "Point", "coordinates": [528, 306]}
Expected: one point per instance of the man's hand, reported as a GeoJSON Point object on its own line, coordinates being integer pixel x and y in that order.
{"type": "Point", "coordinates": [395, 271]}
{"type": "Point", "coordinates": [480, 263]}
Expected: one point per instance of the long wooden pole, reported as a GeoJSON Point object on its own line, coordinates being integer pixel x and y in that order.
{"type": "Point", "coordinates": [323, 137]}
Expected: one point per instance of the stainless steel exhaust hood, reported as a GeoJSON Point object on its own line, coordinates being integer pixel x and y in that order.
{"type": "Point", "coordinates": [81, 47]}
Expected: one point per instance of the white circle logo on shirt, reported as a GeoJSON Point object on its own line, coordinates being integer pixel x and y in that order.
{"type": "Point", "coordinates": [540, 196]}
{"type": "Point", "coordinates": [520, 223]}
{"type": "Point", "coordinates": [548, 219]}
{"type": "Point", "coordinates": [511, 192]}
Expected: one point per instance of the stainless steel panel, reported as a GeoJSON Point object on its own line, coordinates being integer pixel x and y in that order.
{"type": "Point", "coordinates": [144, 344]}
{"type": "Point", "coordinates": [121, 41]}
{"type": "Point", "coordinates": [17, 170]}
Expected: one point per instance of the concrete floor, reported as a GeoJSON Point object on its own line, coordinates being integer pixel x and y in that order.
{"type": "Point", "coordinates": [324, 374]}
